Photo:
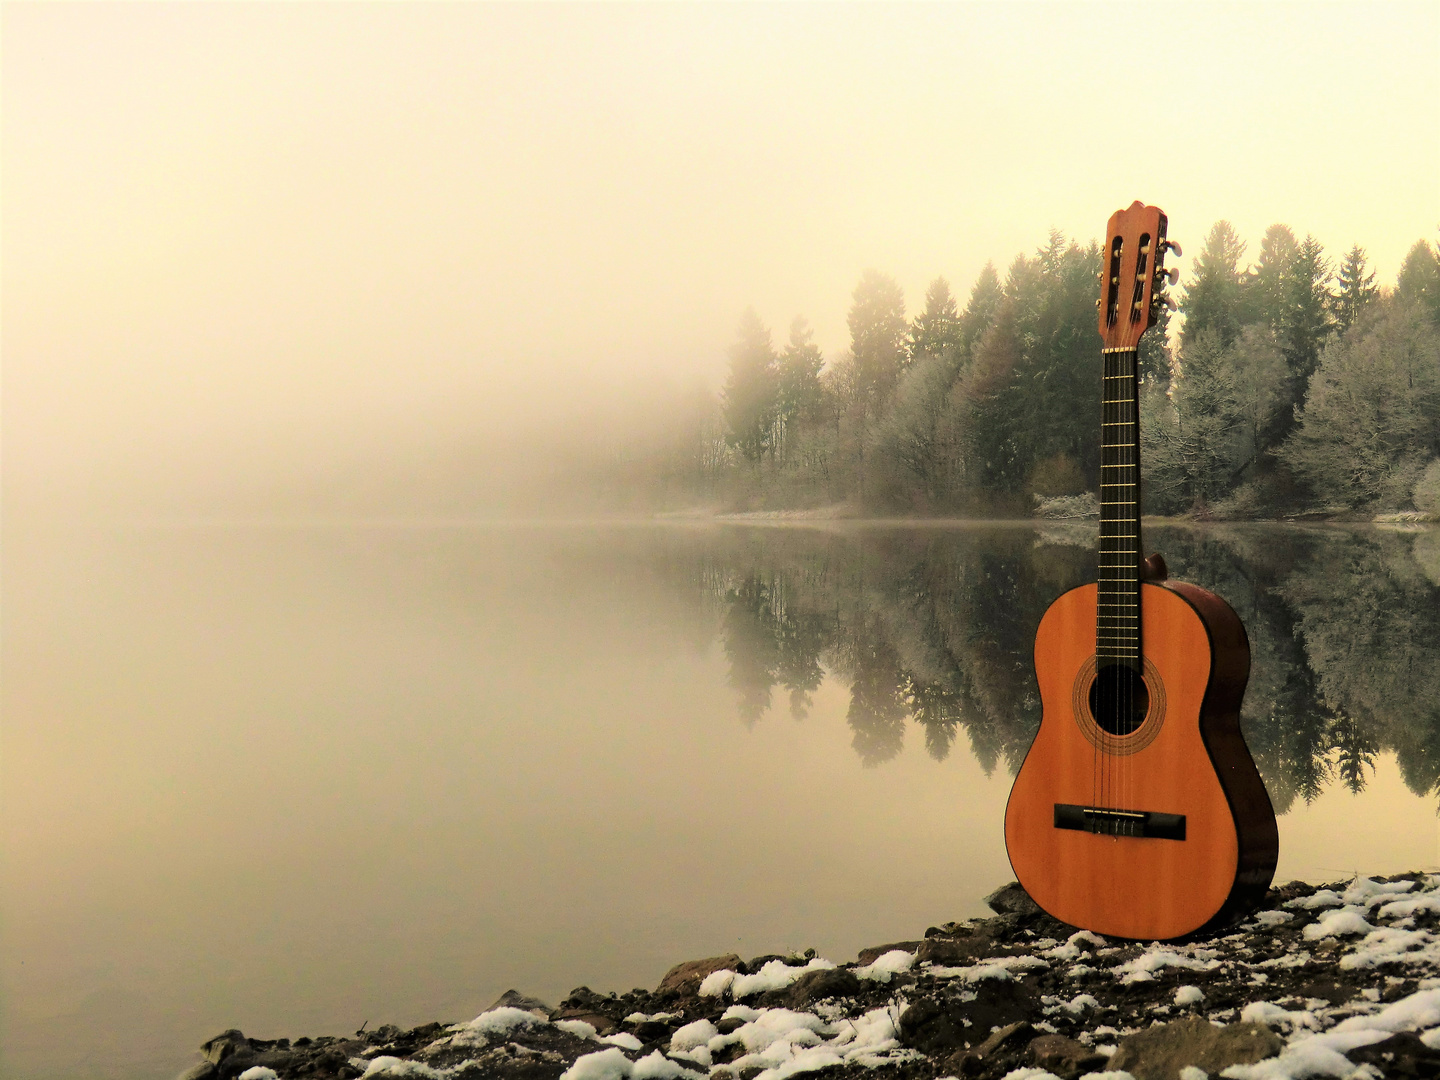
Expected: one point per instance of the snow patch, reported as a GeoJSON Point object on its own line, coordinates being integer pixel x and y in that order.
{"type": "Point", "coordinates": [1337, 923]}
{"type": "Point", "coordinates": [1321, 898]}
{"type": "Point", "coordinates": [885, 967]}
{"type": "Point", "coordinates": [502, 1020]}
{"type": "Point", "coordinates": [993, 969]}
{"type": "Point", "coordinates": [394, 1066]}
{"type": "Point", "coordinates": [1155, 958]}
{"type": "Point", "coordinates": [692, 1035]}
{"type": "Point", "coordinates": [1188, 995]}
{"type": "Point", "coordinates": [1272, 918]}
{"type": "Point", "coordinates": [775, 975]}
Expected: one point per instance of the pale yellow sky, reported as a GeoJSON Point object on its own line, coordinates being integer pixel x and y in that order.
{"type": "Point", "coordinates": [233, 234]}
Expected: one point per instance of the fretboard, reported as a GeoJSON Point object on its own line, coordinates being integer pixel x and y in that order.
{"type": "Point", "coordinates": [1117, 623]}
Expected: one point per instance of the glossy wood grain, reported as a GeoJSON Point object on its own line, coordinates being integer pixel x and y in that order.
{"type": "Point", "coordinates": [1196, 765]}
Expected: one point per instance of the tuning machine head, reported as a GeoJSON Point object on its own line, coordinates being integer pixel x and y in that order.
{"type": "Point", "coordinates": [1171, 246]}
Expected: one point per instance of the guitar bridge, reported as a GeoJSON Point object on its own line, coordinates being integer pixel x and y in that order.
{"type": "Point", "coordinates": [1146, 824]}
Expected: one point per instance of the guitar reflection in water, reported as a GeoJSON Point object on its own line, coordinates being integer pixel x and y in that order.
{"type": "Point", "coordinates": [1138, 811]}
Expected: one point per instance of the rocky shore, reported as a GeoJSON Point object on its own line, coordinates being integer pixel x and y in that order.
{"type": "Point", "coordinates": [1332, 981]}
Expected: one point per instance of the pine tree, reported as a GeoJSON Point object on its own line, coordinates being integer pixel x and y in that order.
{"type": "Point", "coordinates": [1307, 316]}
{"type": "Point", "coordinates": [877, 337]}
{"type": "Point", "coordinates": [799, 392]}
{"type": "Point", "coordinates": [937, 328]}
{"type": "Point", "coordinates": [1419, 280]}
{"type": "Point", "coordinates": [750, 391]}
{"type": "Point", "coordinates": [985, 296]}
{"type": "Point", "coordinates": [1267, 288]}
{"type": "Point", "coordinates": [1371, 416]}
{"type": "Point", "coordinates": [1355, 289]}
{"type": "Point", "coordinates": [1213, 298]}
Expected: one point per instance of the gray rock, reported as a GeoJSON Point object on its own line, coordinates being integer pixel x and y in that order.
{"type": "Point", "coordinates": [513, 999]}
{"type": "Point", "coordinates": [826, 983]}
{"type": "Point", "coordinates": [223, 1045]}
{"type": "Point", "coordinates": [1064, 1057]}
{"type": "Point", "coordinates": [1002, 1044]}
{"type": "Point", "coordinates": [1012, 900]}
{"type": "Point", "coordinates": [204, 1071]}
{"type": "Point", "coordinates": [932, 1028]}
{"type": "Point", "coordinates": [1160, 1052]}
{"type": "Point", "coordinates": [956, 951]}
{"type": "Point", "coordinates": [685, 979]}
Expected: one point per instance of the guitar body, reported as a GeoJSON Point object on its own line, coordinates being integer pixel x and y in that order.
{"type": "Point", "coordinates": [1189, 839]}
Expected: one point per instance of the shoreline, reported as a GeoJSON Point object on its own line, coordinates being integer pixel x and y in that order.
{"type": "Point", "coordinates": [1330, 980]}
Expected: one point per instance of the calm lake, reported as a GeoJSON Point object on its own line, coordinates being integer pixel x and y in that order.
{"type": "Point", "coordinates": [294, 779]}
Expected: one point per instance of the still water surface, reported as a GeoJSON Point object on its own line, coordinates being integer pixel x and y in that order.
{"type": "Point", "coordinates": [292, 779]}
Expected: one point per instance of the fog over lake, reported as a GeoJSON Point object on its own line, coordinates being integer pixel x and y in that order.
{"type": "Point", "coordinates": [294, 778]}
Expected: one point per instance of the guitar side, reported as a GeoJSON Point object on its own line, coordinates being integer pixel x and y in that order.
{"type": "Point", "coordinates": [1187, 765]}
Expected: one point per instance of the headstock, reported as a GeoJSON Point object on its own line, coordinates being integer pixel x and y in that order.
{"type": "Point", "coordinates": [1134, 274]}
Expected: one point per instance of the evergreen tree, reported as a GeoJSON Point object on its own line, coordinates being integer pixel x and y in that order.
{"type": "Point", "coordinates": [1419, 280]}
{"type": "Point", "coordinates": [1213, 298]}
{"type": "Point", "coordinates": [750, 391]}
{"type": "Point", "coordinates": [1191, 454]}
{"type": "Point", "coordinates": [877, 338]}
{"type": "Point", "coordinates": [1305, 321]}
{"type": "Point", "coordinates": [980, 311]}
{"type": "Point", "coordinates": [799, 390]}
{"type": "Point", "coordinates": [1371, 417]}
{"type": "Point", "coordinates": [937, 328]}
{"type": "Point", "coordinates": [1355, 289]}
{"type": "Point", "coordinates": [1267, 289]}
{"type": "Point", "coordinates": [1036, 374]}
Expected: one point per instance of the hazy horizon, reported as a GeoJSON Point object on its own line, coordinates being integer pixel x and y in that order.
{"type": "Point", "coordinates": [247, 243]}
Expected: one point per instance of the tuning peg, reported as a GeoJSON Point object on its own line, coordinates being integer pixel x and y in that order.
{"type": "Point", "coordinates": [1173, 246]}
{"type": "Point", "coordinates": [1168, 301]}
{"type": "Point", "coordinates": [1097, 303]}
{"type": "Point", "coordinates": [1162, 276]}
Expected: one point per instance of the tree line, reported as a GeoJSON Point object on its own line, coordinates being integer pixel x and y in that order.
{"type": "Point", "coordinates": [1294, 383]}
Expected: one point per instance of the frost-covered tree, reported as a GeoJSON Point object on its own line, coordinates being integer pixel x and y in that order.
{"type": "Point", "coordinates": [1212, 298]}
{"type": "Point", "coordinates": [1371, 416]}
{"type": "Point", "coordinates": [750, 391]}
{"type": "Point", "coordinates": [1354, 289]}
{"type": "Point", "coordinates": [936, 329]}
{"type": "Point", "coordinates": [1419, 280]}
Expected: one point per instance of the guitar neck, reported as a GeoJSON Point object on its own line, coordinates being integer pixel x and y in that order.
{"type": "Point", "coordinates": [1117, 624]}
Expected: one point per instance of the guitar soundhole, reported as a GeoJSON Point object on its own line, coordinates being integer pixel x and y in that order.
{"type": "Point", "coordinates": [1119, 700]}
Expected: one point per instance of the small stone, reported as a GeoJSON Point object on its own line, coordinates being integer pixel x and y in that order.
{"type": "Point", "coordinates": [1012, 899]}
{"type": "Point", "coordinates": [685, 979]}
{"type": "Point", "coordinates": [510, 999]}
{"type": "Point", "coordinates": [1064, 1057]}
{"type": "Point", "coordinates": [1160, 1052]}
{"type": "Point", "coordinates": [825, 983]}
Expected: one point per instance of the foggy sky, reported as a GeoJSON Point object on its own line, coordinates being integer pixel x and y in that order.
{"type": "Point", "coordinates": [237, 237]}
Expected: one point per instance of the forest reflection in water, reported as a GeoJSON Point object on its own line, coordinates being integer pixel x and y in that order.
{"type": "Point", "coordinates": [934, 629]}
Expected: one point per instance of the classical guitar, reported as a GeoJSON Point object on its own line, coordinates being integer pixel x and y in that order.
{"type": "Point", "coordinates": [1138, 811]}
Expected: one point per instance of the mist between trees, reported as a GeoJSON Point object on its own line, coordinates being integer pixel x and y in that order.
{"type": "Point", "coordinates": [1296, 383]}
{"type": "Point", "coordinates": [932, 631]}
